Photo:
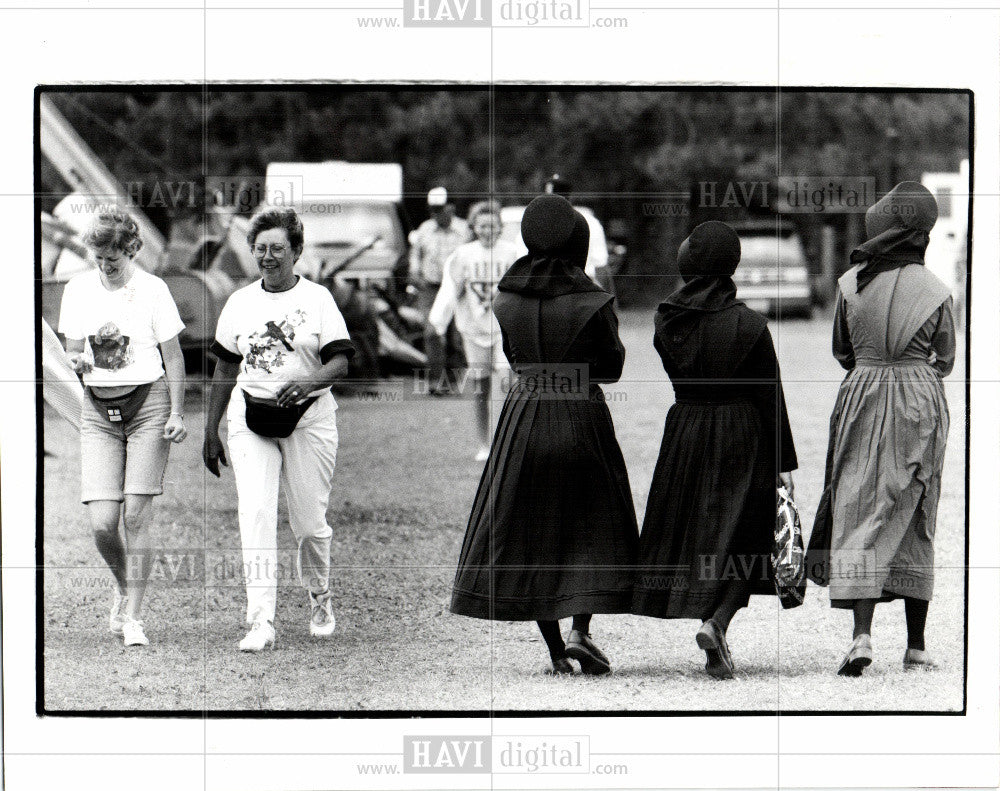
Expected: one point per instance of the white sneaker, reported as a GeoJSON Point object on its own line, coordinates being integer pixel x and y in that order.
{"type": "Point", "coordinates": [133, 633]}
{"type": "Point", "coordinates": [483, 454]}
{"type": "Point", "coordinates": [260, 636]}
{"type": "Point", "coordinates": [118, 607]}
{"type": "Point", "coordinates": [321, 622]}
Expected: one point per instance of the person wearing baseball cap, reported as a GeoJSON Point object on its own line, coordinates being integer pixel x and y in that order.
{"type": "Point", "coordinates": [431, 246]}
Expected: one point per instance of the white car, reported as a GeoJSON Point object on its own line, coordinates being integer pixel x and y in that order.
{"type": "Point", "coordinates": [773, 275]}
{"type": "Point", "coordinates": [511, 216]}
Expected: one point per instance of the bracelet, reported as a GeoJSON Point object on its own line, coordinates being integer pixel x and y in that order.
{"type": "Point", "coordinates": [177, 414]}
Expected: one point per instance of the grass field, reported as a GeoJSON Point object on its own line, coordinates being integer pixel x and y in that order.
{"type": "Point", "coordinates": [404, 484]}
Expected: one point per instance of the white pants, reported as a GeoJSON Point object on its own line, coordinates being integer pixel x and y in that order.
{"type": "Point", "coordinates": [303, 464]}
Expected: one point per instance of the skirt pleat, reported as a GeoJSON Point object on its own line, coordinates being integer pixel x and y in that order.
{"type": "Point", "coordinates": [709, 517]}
{"type": "Point", "coordinates": [552, 531]}
{"type": "Point", "coordinates": [888, 457]}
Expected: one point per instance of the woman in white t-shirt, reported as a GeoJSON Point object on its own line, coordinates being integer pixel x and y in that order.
{"type": "Point", "coordinates": [468, 286]}
{"type": "Point", "coordinates": [121, 327]}
{"type": "Point", "coordinates": [280, 343]}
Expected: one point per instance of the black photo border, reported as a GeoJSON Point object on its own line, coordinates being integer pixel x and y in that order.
{"type": "Point", "coordinates": [403, 714]}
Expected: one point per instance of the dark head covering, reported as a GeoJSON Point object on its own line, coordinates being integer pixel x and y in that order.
{"type": "Point", "coordinates": [706, 260]}
{"type": "Point", "coordinates": [558, 239]}
{"type": "Point", "coordinates": [898, 229]}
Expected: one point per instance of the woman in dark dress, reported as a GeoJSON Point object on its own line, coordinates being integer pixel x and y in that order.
{"type": "Point", "coordinates": [709, 524]}
{"type": "Point", "coordinates": [552, 531]}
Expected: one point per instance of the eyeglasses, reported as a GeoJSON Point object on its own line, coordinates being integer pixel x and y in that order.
{"type": "Point", "coordinates": [277, 249]}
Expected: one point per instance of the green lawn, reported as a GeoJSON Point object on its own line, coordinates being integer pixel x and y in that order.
{"type": "Point", "coordinates": [405, 482]}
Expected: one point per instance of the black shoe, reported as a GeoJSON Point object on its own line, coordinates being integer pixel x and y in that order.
{"type": "Point", "coordinates": [581, 648]}
{"type": "Point", "coordinates": [560, 667]}
{"type": "Point", "coordinates": [712, 640]}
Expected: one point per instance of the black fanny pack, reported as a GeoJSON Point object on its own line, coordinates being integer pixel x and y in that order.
{"type": "Point", "coordinates": [266, 418]}
{"type": "Point", "coordinates": [121, 409]}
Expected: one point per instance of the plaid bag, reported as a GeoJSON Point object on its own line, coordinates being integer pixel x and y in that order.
{"type": "Point", "coordinates": [788, 554]}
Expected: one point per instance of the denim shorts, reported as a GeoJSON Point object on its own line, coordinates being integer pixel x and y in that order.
{"type": "Point", "coordinates": [125, 458]}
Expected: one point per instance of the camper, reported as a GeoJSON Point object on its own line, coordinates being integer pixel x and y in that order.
{"type": "Point", "coordinates": [945, 255]}
{"type": "Point", "coordinates": [353, 215]}
{"type": "Point", "coordinates": [356, 232]}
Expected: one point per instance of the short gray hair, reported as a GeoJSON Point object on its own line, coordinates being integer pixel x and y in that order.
{"type": "Point", "coordinates": [277, 217]}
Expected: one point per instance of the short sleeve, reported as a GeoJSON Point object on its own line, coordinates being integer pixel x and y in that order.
{"type": "Point", "coordinates": [454, 270]}
{"type": "Point", "coordinates": [416, 250]}
{"type": "Point", "coordinates": [225, 347]}
{"type": "Point", "coordinates": [167, 322]}
{"type": "Point", "coordinates": [69, 314]}
{"type": "Point", "coordinates": [334, 338]}
{"type": "Point", "coordinates": [443, 309]}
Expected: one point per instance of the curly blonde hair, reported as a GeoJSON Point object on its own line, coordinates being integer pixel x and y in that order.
{"type": "Point", "coordinates": [483, 207]}
{"type": "Point", "coordinates": [114, 228]}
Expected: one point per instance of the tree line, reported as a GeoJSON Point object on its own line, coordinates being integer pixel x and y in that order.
{"type": "Point", "coordinates": [638, 157]}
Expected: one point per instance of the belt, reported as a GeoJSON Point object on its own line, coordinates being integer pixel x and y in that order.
{"type": "Point", "coordinates": [876, 363]}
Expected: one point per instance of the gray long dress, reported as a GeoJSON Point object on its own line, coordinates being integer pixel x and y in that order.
{"type": "Point", "coordinates": [888, 434]}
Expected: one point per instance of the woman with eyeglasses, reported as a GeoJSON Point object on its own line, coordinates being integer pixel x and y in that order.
{"type": "Point", "coordinates": [121, 327]}
{"type": "Point", "coordinates": [280, 342]}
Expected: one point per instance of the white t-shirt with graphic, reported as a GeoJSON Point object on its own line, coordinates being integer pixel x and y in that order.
{"type": "Point", "coordinates": [278, 337]}
{"type": "Point", "coordinates": [470, 282]}
{"type": "Point", "coordinates": [121, 329]}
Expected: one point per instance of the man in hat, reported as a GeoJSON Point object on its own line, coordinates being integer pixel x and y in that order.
{"type": "Point", "coordinates": [597, 258]}
{"type": "Point", "coordinates": [431, 245]}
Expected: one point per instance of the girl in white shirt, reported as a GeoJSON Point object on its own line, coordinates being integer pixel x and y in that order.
{"type": "Point", "coordinates": [469, 284]}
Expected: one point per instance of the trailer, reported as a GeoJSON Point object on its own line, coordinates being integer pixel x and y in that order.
{"type": "Point", "coordinates": [945, 255]}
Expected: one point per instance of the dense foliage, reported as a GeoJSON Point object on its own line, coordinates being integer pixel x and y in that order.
{"type": "Point", "coordinates": [624, 150]}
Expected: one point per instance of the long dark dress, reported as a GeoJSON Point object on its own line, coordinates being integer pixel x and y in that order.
{"type": "Point", "coordinates": [552, 531]}
{"type": "Point", "coordinates": [711, 508]}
